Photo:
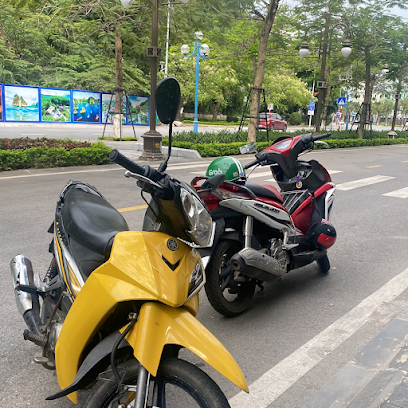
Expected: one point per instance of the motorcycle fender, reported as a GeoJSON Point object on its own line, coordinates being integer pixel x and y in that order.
{"type": "Point", "coordinates": [160, 324]}
{"type": "Point", "coordinates": [157, 326]}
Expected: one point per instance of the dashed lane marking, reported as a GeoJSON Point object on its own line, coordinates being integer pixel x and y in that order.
{"type": "Point", "coordinates": [137, 207]}
{"type": "Point", "coordinates": [402, 193]}
{"type": "Point", "coordinates": [362, 182]}
{"type": "Point", "coordinates": [271, 385]}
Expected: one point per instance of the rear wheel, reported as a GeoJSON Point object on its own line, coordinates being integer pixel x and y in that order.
{"type": "Point", "coordinates": [229, 293]}
{"type": "Point", "coordinates": [178, 384]}
{"type": "Point", "coordinates": [324, 264]}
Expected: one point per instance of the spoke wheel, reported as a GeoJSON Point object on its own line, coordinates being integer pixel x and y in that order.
{"type": "Point", "coordinates": [228, 292]}
{"type": "Point", "coordinates": [178, 384]}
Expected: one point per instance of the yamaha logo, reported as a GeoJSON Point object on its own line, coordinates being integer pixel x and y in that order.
{"type": "Point", "coordinates": [172, 244]}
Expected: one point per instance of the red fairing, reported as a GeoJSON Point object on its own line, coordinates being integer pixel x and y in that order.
{"type": "Point", "coordinates": [286, 151]}
{"type": "Point", "coordinates": [326, 240]}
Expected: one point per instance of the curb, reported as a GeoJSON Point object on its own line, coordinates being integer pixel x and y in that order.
{"type": "Point", "coordinates": [175, 151]}
{"type": "Point", "coordinates": [371, 378]}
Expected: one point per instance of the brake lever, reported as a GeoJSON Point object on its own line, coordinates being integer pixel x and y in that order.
{"type": "Point", "coordinates": [323, 143]}
{"type": "Point", "coordinates": [143, 179]}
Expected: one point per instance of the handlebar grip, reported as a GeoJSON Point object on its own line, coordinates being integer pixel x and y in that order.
{"type": "Point", "coordinates": [117, 157]}
{"type": "Point", "coordinates": [323, 136]}
{"type": "Point", "coordinates": [250, 164]}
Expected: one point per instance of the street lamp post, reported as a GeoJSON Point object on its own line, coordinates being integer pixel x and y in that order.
{"type": "Point", "coordinates": [201, 51]}
{"type": "Point", "coordinates": [166, 61]}
{"type": "Point", "coordinates": [152, 139]}
{"type": "Point", "coordinates": [322, 84]}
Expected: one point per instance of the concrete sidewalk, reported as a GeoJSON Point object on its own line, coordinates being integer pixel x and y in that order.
{"type": "Point", "coordinates": [376, 377]}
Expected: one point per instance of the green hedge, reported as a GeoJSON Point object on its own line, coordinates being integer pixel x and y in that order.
{"type": "Point", "coordinates": [229, 149]}
{"type": "Point", "coordinates": [39, 157]}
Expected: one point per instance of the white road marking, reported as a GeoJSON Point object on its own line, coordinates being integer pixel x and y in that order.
{"type": "Point", "coordinates": [334, 171]}
{"type": "Point", "coordinates": [402, 193]}
{"type": "Point", "coordinates": [58, 173]}
{"type": "Point", "coordinates": [362, 182]}
{"type": "Point", "coordinates": [266, 389]}
{"type": "Point", "coordinates": [189, 166]}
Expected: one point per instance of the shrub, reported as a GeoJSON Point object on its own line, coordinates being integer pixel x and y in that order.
{"type": "Point", "coordinates": [45, 157]}
{"type": "Point", "coordinates": [295, 119]}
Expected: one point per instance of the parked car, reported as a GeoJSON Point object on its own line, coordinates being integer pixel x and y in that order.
{"type": "Point", "coordinates": [273, 120]}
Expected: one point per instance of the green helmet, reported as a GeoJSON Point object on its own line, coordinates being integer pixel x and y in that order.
{"type": "Point", "coordinates": [232, 168]}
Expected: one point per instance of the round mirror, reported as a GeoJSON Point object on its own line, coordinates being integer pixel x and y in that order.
{"type": "Point", "coordinates": [168, 99]}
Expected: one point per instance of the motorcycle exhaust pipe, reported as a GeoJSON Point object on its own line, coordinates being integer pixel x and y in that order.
{"type": "Point", "coordinates": [27, 304]}
{"type": "Point", "coordinates": [257, 265]}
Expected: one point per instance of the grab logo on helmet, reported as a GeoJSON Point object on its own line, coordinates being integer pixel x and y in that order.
{"type": "Point", "coordinates": [214, 172]}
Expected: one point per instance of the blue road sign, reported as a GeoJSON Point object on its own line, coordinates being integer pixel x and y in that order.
{"type": "Point", "coordinates": [341, 101]}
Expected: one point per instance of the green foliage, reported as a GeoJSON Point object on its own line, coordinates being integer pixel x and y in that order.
{"type": "Point", "coordinates": [295, 119]}
{"type": "Point", "coordinates": [40, 157]}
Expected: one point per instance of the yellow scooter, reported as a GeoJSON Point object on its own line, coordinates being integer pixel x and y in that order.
{"type": "Point", "coordinates": [118, 305]}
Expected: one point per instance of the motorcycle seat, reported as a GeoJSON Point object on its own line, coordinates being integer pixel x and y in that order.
{"type": "Point", "coordinates": [92, 222]}
{"type": "Point", "coordinates": [267, 191]}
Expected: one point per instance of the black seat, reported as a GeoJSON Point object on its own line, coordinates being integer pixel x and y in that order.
{"type": "Point", "coordinates": [91, 223]}
{"type": "Point", "coordinates": [261, 191]}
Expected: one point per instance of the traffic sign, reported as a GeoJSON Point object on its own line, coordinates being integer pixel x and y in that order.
{"type": "Point", "coordinates": [311, 108]}
{"type": "Point", "coordinates": [341, 101]}
{"type": "Point", "coordinates": [270, 106]}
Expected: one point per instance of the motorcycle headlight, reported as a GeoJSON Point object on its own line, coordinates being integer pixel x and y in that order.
{"type": "Point", "coordinates": [198, 218]}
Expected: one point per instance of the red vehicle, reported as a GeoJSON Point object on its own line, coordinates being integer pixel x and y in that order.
{"type": "Point", "coordinates": [273, 120]}
{"type": "Point", "coordinates": [262, 233]}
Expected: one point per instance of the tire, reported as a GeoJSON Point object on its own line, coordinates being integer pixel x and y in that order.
{"type": "Point", "coordinates": [272, 128]}
{"type": "Point", "coordinates": [176, 379]}
{"type": "Point", "coordinates": [284, 129]}
{"type": "Point", "coordinates": [324, 264]}
{"type": "Point", "coordinates": [228, 297]}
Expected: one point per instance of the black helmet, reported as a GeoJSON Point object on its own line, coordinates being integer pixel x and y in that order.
{"type": "Point", "coordinates": [321, 235]}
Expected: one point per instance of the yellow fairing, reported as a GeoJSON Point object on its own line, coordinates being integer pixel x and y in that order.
{"type": "Point", "coordinates": [159, 325]}
{"type": "Point", "coordinates": [135, 271]}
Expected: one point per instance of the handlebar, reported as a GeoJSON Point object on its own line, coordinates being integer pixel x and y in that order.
{"type": "Point", "coordinates": [146, 171]}
{"type": "Point", "coordinates": [323, 136]}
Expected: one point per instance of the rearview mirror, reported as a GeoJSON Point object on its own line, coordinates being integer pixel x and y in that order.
{"type": "Point", "coordinates": [168, 99]}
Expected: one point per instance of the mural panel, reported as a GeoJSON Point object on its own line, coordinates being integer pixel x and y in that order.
{"type": "Point", "coordinates": [108, 108]}
{"type": "Point", "coordinates": [86, 106]}
{"type": "Point", "coordinates": [21, 104]}
{"type": "Point", "coordinates": [55, 105]}
{"type": "Point", "coordinates": [1, 103]}
{"type": "Point", "coordinates": [139, 110]}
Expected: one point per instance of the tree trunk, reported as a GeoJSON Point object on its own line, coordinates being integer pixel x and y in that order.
{"type": "Point", "coordinates": [326, 104]}
{"type": "Point", "coordinates": [215, 112]}
{"type": "Point", "coordinates": [367, 95]}
{"type": "Point", "coordinates": [397, 96]}
{"type": "Point", "coordinates": [260, 69]}
{"type": "Point", "coordinates": [117, 116]}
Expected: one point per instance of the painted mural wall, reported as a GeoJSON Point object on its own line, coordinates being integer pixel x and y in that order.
{"type": "Point", "coordinates": [37, 104]}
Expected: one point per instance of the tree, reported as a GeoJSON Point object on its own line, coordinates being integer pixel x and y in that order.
{"type": "Point", "coordinates": [259, 67]}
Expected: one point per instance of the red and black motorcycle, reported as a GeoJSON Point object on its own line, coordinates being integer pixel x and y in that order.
{"type": "Point", "coordinates": [263, 233]}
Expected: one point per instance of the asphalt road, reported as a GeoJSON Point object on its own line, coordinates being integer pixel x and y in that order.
{"type": "Point", "coordinates": [79, 131]}
{"type": "Point", "coordinates": [294, 337]}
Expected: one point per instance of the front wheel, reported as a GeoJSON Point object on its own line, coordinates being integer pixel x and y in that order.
{"type": "Point", "coordinates": [272, 128]}
{"type": "Point", "coordinates": [284, 129]}
{"type": "Point", "coordinates": [178, 384]}
{"type": "Point", "coordinates": [229, 292]}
